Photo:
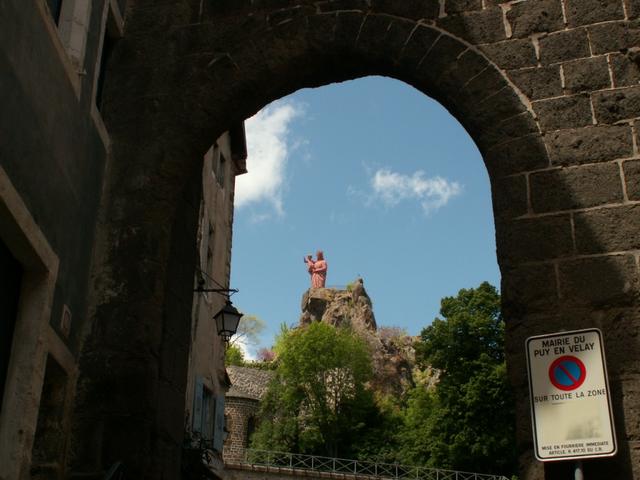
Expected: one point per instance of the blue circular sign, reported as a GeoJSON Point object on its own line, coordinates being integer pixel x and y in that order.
{"type": "Point", "coordinates": [567, 373]}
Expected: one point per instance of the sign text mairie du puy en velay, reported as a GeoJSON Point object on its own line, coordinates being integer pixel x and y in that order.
{"type": "Point", "coordinates": [570, 400]}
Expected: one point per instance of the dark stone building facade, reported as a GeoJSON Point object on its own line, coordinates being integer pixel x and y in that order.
{"type": "Point", "coordinates": [55, 155]}
{"type": "Point", "coordinates": [98, 229]}
{"type": "Point", "coordinates": [54, 150]}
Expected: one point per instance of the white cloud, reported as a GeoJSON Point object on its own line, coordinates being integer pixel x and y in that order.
{"type": "Point", "coordinates": [268, 148]}
{"type": "Point", "coordinates": [432, 192]}
{"type": "Point", "coordinates": [248, 351]}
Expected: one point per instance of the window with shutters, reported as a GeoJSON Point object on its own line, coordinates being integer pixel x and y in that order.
{"type": "Point", "coordinates": [202, 409]}
{"type": "Point", "coordinates": [208, 416]}
{"type": "Point", "coordinates": [219, 433]}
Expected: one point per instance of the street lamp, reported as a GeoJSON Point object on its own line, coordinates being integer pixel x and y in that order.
{"type": "Point", "coordinates": [227, 320]}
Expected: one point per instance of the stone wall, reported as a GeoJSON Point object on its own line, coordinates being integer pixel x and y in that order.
{"type": "Point", "coordinates": [238, 412]}
{"type": "Point", "coordinates": [242, 402]}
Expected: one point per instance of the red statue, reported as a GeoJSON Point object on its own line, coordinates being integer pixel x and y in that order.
{"type": "Point", "coordinates": [317, 269]}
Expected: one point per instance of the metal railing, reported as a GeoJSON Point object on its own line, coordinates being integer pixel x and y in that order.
{"type": "Point", "coordinates": [297, 461]}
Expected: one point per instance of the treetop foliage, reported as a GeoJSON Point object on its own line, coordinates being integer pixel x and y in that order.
{"type": "Point", "coordinates": [472, 329]}
{"type": "Point", "coordinates": [315, 402]}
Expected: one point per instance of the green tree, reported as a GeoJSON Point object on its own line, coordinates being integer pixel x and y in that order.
{"type": "Point", "coordinates": [467, 422]}
{"type": "Point", "coordinates": [234, 356]}
{"type": "Point", "coordinates": [317, 402]}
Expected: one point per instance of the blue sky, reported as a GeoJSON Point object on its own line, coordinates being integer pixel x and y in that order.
{"type": "Point", "coordinates": [380, 177]}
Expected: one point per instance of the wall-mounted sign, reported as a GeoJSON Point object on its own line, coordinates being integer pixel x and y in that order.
{"type": "Point", "coordinates": [570, 401]}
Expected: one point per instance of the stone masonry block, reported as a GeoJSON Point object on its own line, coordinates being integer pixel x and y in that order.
{"type": "Point", "coordinates": [342, 5]}
{"type": "Point", "coordinates": [564, 112]}
{"type": "Point", "coordinates": [622, 329]}
{"type": "Point", "coordinates": [633, 8]}
{"type": "Point", "coordinates": [508, 130]}
{"type": "Point", "coordinates": [529, 288]}
{"type": "Point", "coordinates": [538, 82]}
{"type": "Point", "coordinates": [564, 46]}
{"type": "Point", "coordinates": [483, 26]}
{"type": "Point", "coordinates": [457, 6]}
{"type": "Point", "coordinates": [467, 66]}
{"type": "Point", "coordinates": [598, 281]}
{"type": "Point", "coordinates": [394, 38]}
{"type": "Point", "coordinates": [520, 155]}
{"type": "Point", "coordinates": [608, 230]}
{"type": "Point", "coordinates": [535, 239]}
{"type": "Point", "coordinates": [287, 14]}
{"type": "Point", "coordinates": [614, 36]}
{"type": "Point", "coordinates": [628, 391]}
{"type": "Point", "coordinates": [416, 9]}
{"type": "Point", "coordinates": [443, 57]}
{"type": "Point", "coordinates": [347, 27]}
{"type": "Point", "coordinates": [615, 105]}
{"type": "Point", "coordinates": [587, 74]}
{"type": "Point", "coordinates": [575, 187]}
{"type": "Point", "coordinates": [626, 72]}
{"type": "Point", "coordinates": [585, 12]}
{"type": "Point", "coordinates": [504, 104]}
{"type": "Point", "coordinates": [512, 53]}
{"type": "Point", "coordinates": [373, 37]}
{"type": "Point", "coordinates": [485, 84]}
{"type": "Point", "coordinates": [632, 178]}
{"type": "Point", "coordinates": [537, 16]}
{"type": "Point", "coordinates": [590, 144]}
{"type": "Point", "coordinates": [419, 45]}
{"type": "Point", "coordinates": [509, 196]}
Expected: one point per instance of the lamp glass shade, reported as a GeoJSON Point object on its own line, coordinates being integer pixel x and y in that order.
{"type": "Point", "coordinates": [227, 320]}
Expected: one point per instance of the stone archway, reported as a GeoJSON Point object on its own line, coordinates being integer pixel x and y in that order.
{"type": "Point", "coordinates": [544, 87]}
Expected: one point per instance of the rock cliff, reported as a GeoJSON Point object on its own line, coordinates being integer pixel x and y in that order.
{"type": "Point", "coordinates": [392, 350]}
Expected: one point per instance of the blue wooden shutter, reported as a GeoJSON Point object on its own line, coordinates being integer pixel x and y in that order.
{"type": "Point", "coordinates": [218, 432]}
{"type": "Point", "coordinates": [197, 405]}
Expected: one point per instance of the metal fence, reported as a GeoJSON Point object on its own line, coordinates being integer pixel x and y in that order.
{"type": "Point", "coordinates": [296, 461]}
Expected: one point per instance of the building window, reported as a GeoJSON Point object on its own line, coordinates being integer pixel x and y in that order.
{"type": "Point", "coordinates": [210, 249]}
{"type": "Point", "coordinates": [73, 27]}
{"type": "Point", "coordinates": [10, 282]}
{"type": "Point", "coordinates": [219, 167]}
{"type": "Point", "coordinates": [251, 427]}
{"type": "Point", "coordinates": [55, 7]}
{"type": "Point", "coordinates": [108, 44]}
{"type": "Point", "coordinates": [112, 33]}
{"type": "Point", "coordinates": [202, 410]}
{"type": "Point", "coordinates": [208, 416]}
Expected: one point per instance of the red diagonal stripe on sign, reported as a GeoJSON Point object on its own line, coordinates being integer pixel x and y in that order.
{"type": "Point", "coordinates": [566, 372]}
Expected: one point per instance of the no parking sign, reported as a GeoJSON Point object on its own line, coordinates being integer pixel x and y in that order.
{"type": "Point", "coordinates": [570, 401]}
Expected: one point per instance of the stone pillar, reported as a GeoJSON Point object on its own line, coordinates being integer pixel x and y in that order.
{"type": "Point", "coordinates": [133, 367]}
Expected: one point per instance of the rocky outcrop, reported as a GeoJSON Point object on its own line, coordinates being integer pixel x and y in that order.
{"type": "Point", "coordinates": [350, 307]}
{"type": "Point", "coordinates": [392, 349]}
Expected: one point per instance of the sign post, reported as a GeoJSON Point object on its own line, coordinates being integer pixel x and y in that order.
{"type": "Point", "coordinates": [570, 401]}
